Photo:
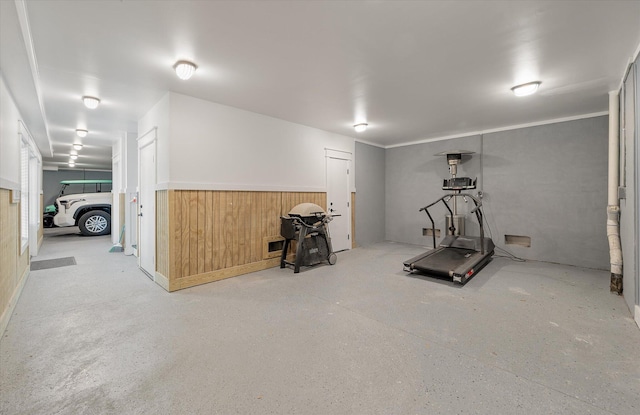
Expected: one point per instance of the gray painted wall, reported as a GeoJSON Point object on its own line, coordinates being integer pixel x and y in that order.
{"type": "Point", "coordinates": [547, 182]}
{"type": "Point", "coordinates": [550, 183]}
{"type": "Point", "coordinates": [414, 179]}
{"type": "Point", "coordinates": [637, 190]}
{"type": "Point", "coordinates": [370, 194]}
{"type": "Point", "coordinates": [51, 181]}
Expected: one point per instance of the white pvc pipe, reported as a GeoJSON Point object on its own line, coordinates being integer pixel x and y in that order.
{"type": "Point", "coordinates": [614, 146]}
{"type": "Point", "coordinates": [613, 208]}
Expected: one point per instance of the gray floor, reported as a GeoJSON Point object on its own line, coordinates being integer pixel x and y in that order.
{"type": "Point", "coordinates": [360, 337]}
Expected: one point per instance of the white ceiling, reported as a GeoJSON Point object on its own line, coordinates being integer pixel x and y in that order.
{"type": "Point", "coordinates": [412, 70]}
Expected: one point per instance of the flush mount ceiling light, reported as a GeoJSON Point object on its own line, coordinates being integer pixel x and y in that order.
{"type": "Point", "coordinates": [525, 89]}
{"type": "Point", "coordinates": [73, 156]}
{"type": "Point", "coordinates": [82, 133]}
{"type": "Point", "coordinates": [72, 164]}
{"type": "Point", "coordinates": [185, 69]}
{"type": "Point", "coordinates": [360, 127]}
{"type": "Point", "coordinates": [90, 102]}
{"type": "Point", "coordinates": [77, 146]}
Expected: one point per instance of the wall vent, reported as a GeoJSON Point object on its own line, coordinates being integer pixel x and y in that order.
{"type": "Point", "coordinates": [518, 240]}
{"type": "Point", "coordinates": [276, 246]}
{"type": "Point", "coordinates": [273, 246]}
{"type": "Point", "coordinates": [429, 232]}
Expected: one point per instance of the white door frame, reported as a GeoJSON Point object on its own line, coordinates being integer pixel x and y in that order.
{"type": "Point", "coordinates": [348, 157]}
{"type": "Point", "coordinates": [145, 140]}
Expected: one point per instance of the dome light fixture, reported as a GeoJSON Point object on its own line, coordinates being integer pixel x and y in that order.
{"type": "Point", "coordinates": [71, 163]}
{"type": "Point", "coordinates": [525, 89]}
{"type": "Point", "coordinates": [77, 146]}
{"type": "Point", "coordinates": [73, 156]}
{"type": "Point", "coordinates": [361, 127]}
{"type": "Point", "coordinates": [90, 102]}
{"type": "Point", "coordinates": [81, 133]}
{"type": "Point", "coordinates": [185, 69]}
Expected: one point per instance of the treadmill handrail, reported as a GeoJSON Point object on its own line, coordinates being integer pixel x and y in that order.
{"type": "Point", "coordinates": [475, 210]}
{"type": "Point", "coordinates": [477, 201]}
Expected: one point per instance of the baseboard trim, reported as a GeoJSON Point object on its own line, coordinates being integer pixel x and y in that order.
{"type": "Point", "coordinates": [222, 274]}
{"type": "Point", "coordinates": [162, 281]}
{"type": "Point", "coordinates": [6, 315]}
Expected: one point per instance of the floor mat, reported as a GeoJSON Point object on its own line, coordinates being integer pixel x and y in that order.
{"type": "Point", "coordinates": [53, 263]}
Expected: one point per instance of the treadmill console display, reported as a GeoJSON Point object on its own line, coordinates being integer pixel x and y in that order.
{"type": "Point", "coordinates": [459, 183]}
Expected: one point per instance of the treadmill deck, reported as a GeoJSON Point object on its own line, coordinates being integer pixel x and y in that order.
{"type": "Point", "coordinates": [457, 263]}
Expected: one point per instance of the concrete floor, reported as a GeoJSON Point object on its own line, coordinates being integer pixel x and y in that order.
{"type": "Point", "coordinates": [360, 337]}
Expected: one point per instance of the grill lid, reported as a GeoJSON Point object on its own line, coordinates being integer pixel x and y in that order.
{"type": "Point", "coordinates": [307, 210]}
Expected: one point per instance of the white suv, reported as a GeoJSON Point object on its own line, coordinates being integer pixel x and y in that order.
{"type": "Point", "coordinates": [91, 212]}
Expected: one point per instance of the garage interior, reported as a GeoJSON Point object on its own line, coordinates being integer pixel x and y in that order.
{"type": "Point", "coordinates": [347, 105]}
{"type": "Point", "coordinates": [358, 337]}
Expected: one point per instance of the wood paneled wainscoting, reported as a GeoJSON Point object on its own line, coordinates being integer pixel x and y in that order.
{"type": "Point", "coordinates": [14, 265]}
{"type": "Point", "coordinates": [206, 235]}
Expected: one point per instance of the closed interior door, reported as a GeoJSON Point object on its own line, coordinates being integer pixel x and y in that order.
{"type": "Point", "coordinates": [147, 209]}
{"type": "Point", "coordinates": [338, 203]}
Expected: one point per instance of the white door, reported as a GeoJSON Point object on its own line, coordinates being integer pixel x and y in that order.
{"type": "Point", "coordinates": [147, 207]}
{"type": "Point", "coordinates": [338, 203]}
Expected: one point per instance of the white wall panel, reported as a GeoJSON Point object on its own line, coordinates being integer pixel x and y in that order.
{"type": "Point", "coordinates": [219, 147]}
{"type": "Point", "coordinates": [158, 117]}
{"type": "Point", "coordinates": [9, 140]}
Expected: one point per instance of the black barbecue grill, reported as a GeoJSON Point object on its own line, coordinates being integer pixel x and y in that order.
{"type": "Point", "coordinates": [307, 224]}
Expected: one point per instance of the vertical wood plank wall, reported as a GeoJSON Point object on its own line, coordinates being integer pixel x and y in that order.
{"type": "Point", "coordinates": [204, 236]}
{"type": "Point", "coordinates": [13, 265]}
{"type": "Point", "coordinates": [162, 232]}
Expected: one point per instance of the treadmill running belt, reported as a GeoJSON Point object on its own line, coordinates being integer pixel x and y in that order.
{"type": "Point", "coordinates": [445, 260]}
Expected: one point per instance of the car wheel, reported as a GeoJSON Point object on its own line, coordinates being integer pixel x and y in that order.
{"type": "Point", "coordinates": [95, 222]}
{"type": "Point", "coordinates": [47, 221]}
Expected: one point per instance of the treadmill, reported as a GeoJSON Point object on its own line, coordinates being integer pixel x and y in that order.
{"type": "Point", "coordinates": [458, 256]}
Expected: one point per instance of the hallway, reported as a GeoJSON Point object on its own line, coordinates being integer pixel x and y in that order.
{"type": "Point", "coordinates": [360, 337]}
